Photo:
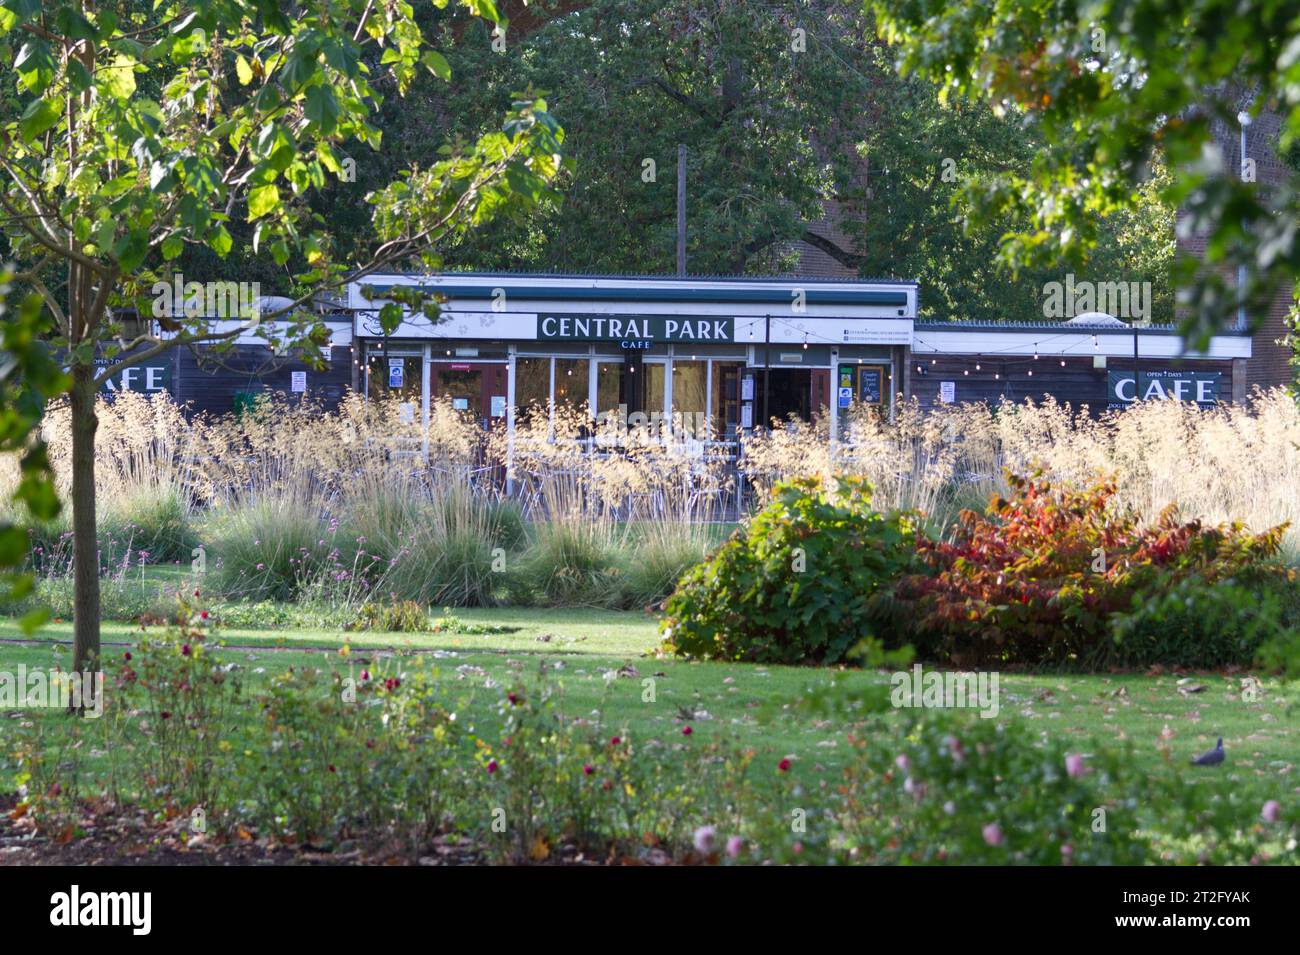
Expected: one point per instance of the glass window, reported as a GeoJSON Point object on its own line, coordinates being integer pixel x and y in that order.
{"type": "Point", "coordinates": [726, 397]}
{"type": "Point", "coordinates": [394, 376]}
{"type": "Point", "coordinates": [532, 385]}
{"type": "Point", "coordinates": [571, 376]}
{"type": "Point", "coordinates": [609, 377]}
{"type": "Point", "coordinates": [690, 387]}
{"type": "Point", "coordinates": [654, 388]}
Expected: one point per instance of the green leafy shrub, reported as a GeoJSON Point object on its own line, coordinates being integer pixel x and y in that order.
{"type": "Point", "coordinates": [1199, 623]}
{"type": "Point", "coordinates": [370, 755]}
{"type": "Point", "coordinates": [1039, 577]}
{"type": "Point", "coordinates": [401, 616]}
{"type": "Point", "coordinates": [799, 584]}
{"type": "Point", "coordinates": [175, 706]}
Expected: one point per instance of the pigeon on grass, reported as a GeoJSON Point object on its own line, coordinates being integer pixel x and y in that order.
{"type": "Point", "coordinates": [1211, 757]}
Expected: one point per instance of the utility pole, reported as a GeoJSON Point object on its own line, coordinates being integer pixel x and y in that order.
{"type": "Point", "coordinates": [767, 367]}
{"type": "Point", "coordinates": [681, 210]}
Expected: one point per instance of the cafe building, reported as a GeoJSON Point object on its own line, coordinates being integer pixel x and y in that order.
{"type": "Point", "coordinates": [701, 357]}
{"type": "Point", "coordinates": [711, 355]}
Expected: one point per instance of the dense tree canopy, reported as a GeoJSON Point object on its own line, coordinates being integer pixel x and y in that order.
{"type": "Point", "coordinates": [784, 106]}
{"type": "Point", "coordinates": [1112, 86]}
{"type": "Point", "coordinates": [133, 132]}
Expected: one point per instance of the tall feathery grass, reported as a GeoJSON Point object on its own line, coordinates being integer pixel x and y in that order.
{"type": "Point", "coordinates": [335, 508]}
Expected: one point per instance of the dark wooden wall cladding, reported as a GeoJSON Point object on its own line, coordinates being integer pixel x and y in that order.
{"type": "Point", "coordinates": [210, 383]}
{"type": "Point", "coordinates": [1077, 383]}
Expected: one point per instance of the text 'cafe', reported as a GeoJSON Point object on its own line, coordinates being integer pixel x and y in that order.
{"type": "Point", "coordinates": [739, 352]}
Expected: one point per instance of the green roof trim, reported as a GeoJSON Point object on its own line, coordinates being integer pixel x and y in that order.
{"type": "Point", "coordinates": [740, 294]}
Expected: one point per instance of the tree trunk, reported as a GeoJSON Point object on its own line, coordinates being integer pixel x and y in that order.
{"type": "Point", "coordinates": [85, 544]}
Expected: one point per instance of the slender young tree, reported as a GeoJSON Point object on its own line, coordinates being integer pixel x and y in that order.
{"type": "Point", "coordinates": [136, 131]}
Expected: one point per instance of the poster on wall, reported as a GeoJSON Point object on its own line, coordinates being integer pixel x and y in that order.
{"type": "Point", "coordinates": [297, 381]}
{"type": "Point", "coordinates": [947, 392]}
{"type": "Point", "coordinates": [396, 372]}
{"type": "Point", "coordinates": [871, 385]}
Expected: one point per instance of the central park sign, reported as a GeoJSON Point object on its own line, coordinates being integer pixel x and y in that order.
{"type": "Point", "coordinates": [642, 328]}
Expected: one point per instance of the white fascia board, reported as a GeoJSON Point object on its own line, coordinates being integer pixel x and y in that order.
{"type": "Point", "coordinates": [520, 302]}
{"type": "Point", "coordinates": [341, 332]}
{"type": "Point", "coordinates": [1049, 342]}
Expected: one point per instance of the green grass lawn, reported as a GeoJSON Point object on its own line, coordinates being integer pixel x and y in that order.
{"type": "Point", "coordinates": [603, 658]}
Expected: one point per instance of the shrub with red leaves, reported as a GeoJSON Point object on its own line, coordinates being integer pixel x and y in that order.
{"type": "Point", "coordinates": [1037, 578]}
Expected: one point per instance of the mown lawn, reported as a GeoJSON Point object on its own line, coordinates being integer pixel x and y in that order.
{"type": "Point", "coordinates": [603, 660]}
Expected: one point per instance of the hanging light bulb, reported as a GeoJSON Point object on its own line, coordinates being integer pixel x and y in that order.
{"type": "Point", "coordinates": [965, 371]}
{"type": "Point", "coordinates": [977, 366]}
{"type": "Point", "coordinates": [805, 341]}
{"type": "Point", "coordinates": [996, 376]}
{"type": "Point", "coordinates": [933, 361]}
{"type": "Point", "coordinates": [1095, 343]}
{"type": "Point", "coordinates": [1062, 362]}
{"type": "Point", "coordinates": [1035, 351]}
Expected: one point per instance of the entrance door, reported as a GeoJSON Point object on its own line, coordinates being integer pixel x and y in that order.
{"type": "Point", "coordinates": [789, 391]}
{"type": "Point", "coordinates": [478, 390]}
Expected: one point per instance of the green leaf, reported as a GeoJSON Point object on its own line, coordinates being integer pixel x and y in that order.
{"type": "Point", "coordinates": [39, 116]}
{"type": "Point", "coordinates": [220, 241]}
{"type": "Point", "coordinates": [263, 199]}
{"type": "Point", "coordinates": [243, 70]}
{"type": "Point", "coordinates": [119, 78]}
{"type": "Point", "coordinates": [437, 64]}
{"type": "Point", "coordinates": [322, 108]}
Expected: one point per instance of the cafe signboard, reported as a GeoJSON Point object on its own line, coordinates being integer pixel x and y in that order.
{"type": "Point", "coordinates": [1199, 387]}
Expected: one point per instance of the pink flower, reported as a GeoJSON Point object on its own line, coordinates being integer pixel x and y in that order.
{"type": "Point", "coordinates": [734, 845]}
{"type": "Point", "coordinates": [955, 748]}
{"type": "Point", "coordinates": [1067, 853]}
{"type": "Point", "coordinates": [1074, 764]}
{"type": "Point", "coordinates": [686, 731]}
{"type": "Point", "coordinates": [1272, 811]}
{"type": "Point", "coordinates": [492, 766]}
{"type": "Point", "coordinates": [615, 741]}
{"type": "Point", "coordinates": [783, 766]}
{"type": "Point", "coordinates": [902, 762]}
{"type": "Point", "coordinates": [993, 834]}
{"type": "Point", "coordinates": [704, 839]}
{"type": "Point", "coordinates": [588, 769]}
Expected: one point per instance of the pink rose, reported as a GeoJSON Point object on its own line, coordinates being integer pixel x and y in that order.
{"type": "Point", "coordinates": [1074, 764]}
{"type": "Point", "coordinates": [704, 839]}
{"type": "Point", "coordinates": [1272, 811]}
{"type": "Point", "coordinates": [993, 834]}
